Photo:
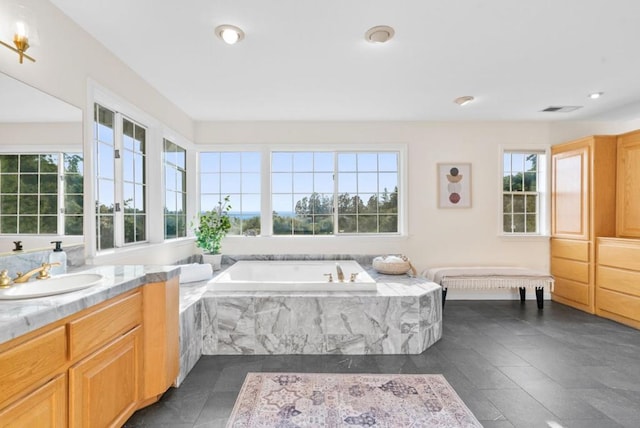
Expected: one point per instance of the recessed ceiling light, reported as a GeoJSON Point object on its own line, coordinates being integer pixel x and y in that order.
{"type": "Point", "coordinates": [463, 101]}
{"type": "Point", "coordinates": [595, 95]}
{"type": "Point", "coordinates": [230, 34]}
{"type": "Point", "coordinates": [379, 34]}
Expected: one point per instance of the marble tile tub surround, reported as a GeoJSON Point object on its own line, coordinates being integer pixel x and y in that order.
{"type": "Point", "coordinates": [403, 317]}
{"type": "Point", "coordinates": [18, 317]}
{"type": "Point", "coordinates": [24, 261]}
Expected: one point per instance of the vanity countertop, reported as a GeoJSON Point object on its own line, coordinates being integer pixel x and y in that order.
{"type": "Point", "coordinates": [18, 317]}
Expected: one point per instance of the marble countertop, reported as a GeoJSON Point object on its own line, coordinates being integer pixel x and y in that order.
{"type": "Point", "coordinates": [18, 317]}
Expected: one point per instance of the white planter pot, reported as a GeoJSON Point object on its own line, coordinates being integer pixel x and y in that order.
{"type": "Point", "coordinates": [213, 259]}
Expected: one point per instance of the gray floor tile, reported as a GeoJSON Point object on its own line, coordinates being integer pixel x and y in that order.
{"type": "Point", "coordinates": [512, 365]}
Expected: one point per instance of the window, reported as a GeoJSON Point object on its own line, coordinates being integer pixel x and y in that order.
{"type": "Point", "coordinates": [105, 145]}
{"type": "Point", "coordinates": [311, 192]}
{"type": "Point", "coordinates": [522, 186]}
{"type": "Point", "coordinates": [120, 147]}
{"type": "Point", "coordinates": [133, 178]}
{"type": "Point", "coordinates": [368, 192]}
{"type": "Point", "coordinates": [32, 201]}
{"type": "Point", "coordinates": [306, 201]}
{"type": "Point", "coordinates": [236, 174]}
{"type": "Point", "coordinates": [73, 193]}
{"type": "Point", "coordinates": [302, 193]}
{"type": "Point", "coordinates": [175, 199]}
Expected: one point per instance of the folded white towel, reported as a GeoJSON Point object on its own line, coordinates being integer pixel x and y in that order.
{"type": "Point", "coordinates": [195, 272]}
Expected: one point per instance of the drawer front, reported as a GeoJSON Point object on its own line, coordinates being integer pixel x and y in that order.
{"type": "Point", "coordinates": [619, 304]}
{"type": "Point", "coordinates": [94, 330]}
{"type": "Point", "coordinates": [30, 362]}
{"type": "Point", "coordinates": [570, 269]}
{"type": "Point", "coordinates": [567, 249]}
{"type": "Point", "coordinates": [626, 256]}
{"type": "Point", "coordinates": [623, 281]}
{"type": "Point", "coordinates": [571, 290]}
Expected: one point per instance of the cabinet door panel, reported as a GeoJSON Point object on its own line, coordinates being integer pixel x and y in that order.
{"type": "Point", "coordinates": [628, 203]}
{"type": "Point", "coordinates": [571, 194]}
{"type": "Point", "coordinates": [95, 399]}
{"type": "Point", "coordinates": [45, 407]}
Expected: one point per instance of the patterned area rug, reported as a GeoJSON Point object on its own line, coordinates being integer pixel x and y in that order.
{"type": "Point", "coordinates": [348, 400]}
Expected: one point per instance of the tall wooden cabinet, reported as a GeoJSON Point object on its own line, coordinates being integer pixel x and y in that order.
{"type": "Point", "coordinates": [583, 207]}
{"type": "Point", "coordinates": [628, 188]}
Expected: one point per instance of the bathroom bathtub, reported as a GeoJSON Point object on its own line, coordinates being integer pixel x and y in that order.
{"type": "Point", "coordinates": [296, 276]}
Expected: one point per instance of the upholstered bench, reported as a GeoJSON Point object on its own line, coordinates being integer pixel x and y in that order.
{"type": "Point", "coordinates": [491, 277]}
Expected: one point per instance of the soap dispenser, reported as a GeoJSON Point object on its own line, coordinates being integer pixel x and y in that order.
{"type": "Point", "coordinates": [58, 255]}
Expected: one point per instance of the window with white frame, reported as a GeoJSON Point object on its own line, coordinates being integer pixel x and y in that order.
{"type": "Point", "coordinates": [368, 192]}
{"type": "Point", "coordinates": [41, 193]}
{"type": "Point", "coordinates": [523, 184]}
{"type": "Point", "coordinates": [120, 190]}
{"type": "Point", "coordinates": [309, 192]}
{"type": "Point", "coordinates": [175, 190]}
{"type": "Point", "coordinates": [237, 175]}
{"type": "Point", "coordinates": [302, 193]}
{"type": "Point", "coordinates": [331, 193]}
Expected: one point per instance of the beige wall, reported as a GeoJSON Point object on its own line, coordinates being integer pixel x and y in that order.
{"type": "Point", "coordinates": [67, 134]}
{"type": "Point", "coordinates": [436, 236]}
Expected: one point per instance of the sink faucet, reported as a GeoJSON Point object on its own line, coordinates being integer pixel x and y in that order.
{"type": "Point", "coordinates": [340, 273]}
{"type": "Point", "coordinates": [42, 271]}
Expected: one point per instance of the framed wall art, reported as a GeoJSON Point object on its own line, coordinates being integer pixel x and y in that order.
{"type": "Point", "coordinates": [454, 185]}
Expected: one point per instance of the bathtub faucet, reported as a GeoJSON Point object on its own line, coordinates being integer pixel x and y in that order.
{"type": "Point", "coordinates": [340, 273]}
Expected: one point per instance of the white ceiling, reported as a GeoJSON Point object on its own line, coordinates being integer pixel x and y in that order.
{"type": "Point", "coordinates": [307, 59]}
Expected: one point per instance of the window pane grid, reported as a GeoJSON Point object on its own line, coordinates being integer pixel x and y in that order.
{"type": "Point", "coordinates": [368, 192]}
{"type": "Point", "coordinates": [236, 174]}
{"type": "Point", "coordinates": [520, 206]}
{"type": "Point", "coordinates": [175, 209]}
{"type": "Point", "coordinates": [302, 193]}
{"type": "Point", "coordinates": [104, 142]}
{"type": "Point", "coordinates": [134, 187]}
{"type": "Point", "coordinates": [29, 193]}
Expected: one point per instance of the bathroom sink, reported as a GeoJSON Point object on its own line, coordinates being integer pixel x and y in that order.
{"type": "Point", "coordinates": [58, 284]}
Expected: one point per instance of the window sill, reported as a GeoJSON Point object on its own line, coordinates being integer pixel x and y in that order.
{"type": "Point", "coordinates": [522, 237]}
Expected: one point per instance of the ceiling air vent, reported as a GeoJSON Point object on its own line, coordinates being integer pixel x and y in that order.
{"type": "Point", "coordinates": [561, 109]}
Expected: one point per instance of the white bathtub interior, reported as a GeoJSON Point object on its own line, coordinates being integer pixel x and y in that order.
{"type": "Point", "coordinates": [299, 276]}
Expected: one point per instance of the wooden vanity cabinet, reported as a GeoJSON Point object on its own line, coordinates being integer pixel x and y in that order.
{"type": "Point", "coordinates": [96, 367]}
{"type": "Point", "coordinates": [583, 176]}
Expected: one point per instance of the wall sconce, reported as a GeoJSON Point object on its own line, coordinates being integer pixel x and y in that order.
{"type": "Point", "coordinates": [20, 32]}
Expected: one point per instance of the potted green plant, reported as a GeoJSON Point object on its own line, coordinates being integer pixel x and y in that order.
{"type": "Point", "coordinates": [209, 228]}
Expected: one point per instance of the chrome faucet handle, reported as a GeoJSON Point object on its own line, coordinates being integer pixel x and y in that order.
{"type": "Point", "coordinates": [330, 275]}
{"type": "Point", "coordinates": [353, 277]}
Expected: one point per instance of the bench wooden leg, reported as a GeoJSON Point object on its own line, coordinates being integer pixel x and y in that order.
{"type": "Point", "coordinates": [523, 294]}
{"type": "Point", "coordinates": [444, 296]}
{"type": "Point", "coordinates": [540, 297]}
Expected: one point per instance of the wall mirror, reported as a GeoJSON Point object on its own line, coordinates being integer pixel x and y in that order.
{"type": "Point", "coordinates": [41, 167]}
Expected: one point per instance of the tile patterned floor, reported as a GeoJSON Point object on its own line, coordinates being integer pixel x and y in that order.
{"type": "Point", "coordinates": [511, 364]}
